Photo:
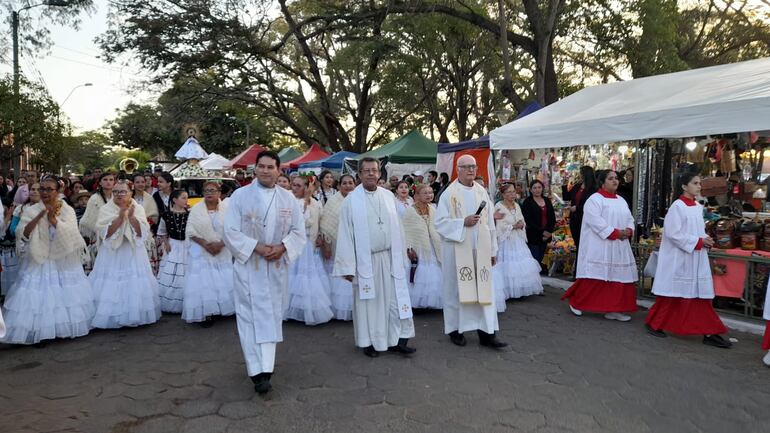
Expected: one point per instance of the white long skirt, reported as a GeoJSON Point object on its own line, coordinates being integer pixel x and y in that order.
{"type": "Point", "coordinates": [427, 291]}
{"type": "Point", "coordinates": [208, 287]}
{"type": "Point", "coordinates": [308, 289]}
{"type": "Point", "coordinates": [171, 276]}
{"type": "Point", "coordinates": [517, 274]}
{"type": "Point", "coordinates": [49, 300]}
{"type": "Point", "coordinates": [341, 294]}
{"type": "Point", "coordinates": [10, 262]}
{"type": "Point", "coordinates": [125, 290]}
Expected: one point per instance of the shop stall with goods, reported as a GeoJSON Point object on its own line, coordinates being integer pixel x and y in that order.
{"type": "Point", "coordinates": [714, 120]}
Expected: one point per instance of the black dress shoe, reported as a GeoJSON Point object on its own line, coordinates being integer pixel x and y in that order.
{"type": "Point", "coordinates": [370, 352]}
{"type": "Point", "coordinates": [716, 341]}
{"type": "Point", "coordinates": [490, 340]}
{"type": "Point", "coordinates": [402, 348]}
{"type": "Point", "coordinates": [457, 338]}
{"type": "Point", "coordinates": [655, 332]}
{"type": "Point", "coordinates": [262, 383]}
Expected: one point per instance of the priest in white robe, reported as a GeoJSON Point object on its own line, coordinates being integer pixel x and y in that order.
{"type": "Point", "coordinates": [469, 247]}
{"type": "Point", "coordinates": [264, 230]}
{"type": "Point", "coordinates": [372, 255]}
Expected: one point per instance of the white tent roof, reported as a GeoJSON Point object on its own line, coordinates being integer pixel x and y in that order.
{"type": "Point", "coordinates": [715, 100]}
{"type": "Point", "coordinates": [214, 161]}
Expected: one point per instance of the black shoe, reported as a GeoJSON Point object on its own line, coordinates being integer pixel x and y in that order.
{"type": "Point", "coordinates": [457, 338]}
{"type": "Point", "coordinates": [402, 348]}
{"type": "Point", "coordinates": [370, 352]}
{"type": "Point", "coordinates": [655, 332]}
{"type": "Point", "coordinates": [490, 340]}
{"type": "Point", "coordinates": [716, 341]}
{"type": "Point", "coordinates": [208, 323]}
{"type": "Point", "coordinates": [262, 383]}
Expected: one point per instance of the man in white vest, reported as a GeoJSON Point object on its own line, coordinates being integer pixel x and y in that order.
{"type": "Point", "coordinates": [467, 228]}
{"type": "Point", "coordinates": [372, 255]}
{"type": "Point", "coordinates": [264, 230]}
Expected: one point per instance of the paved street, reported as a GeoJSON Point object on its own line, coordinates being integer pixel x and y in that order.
{"type": "Point", "coordinates": [561, 374]}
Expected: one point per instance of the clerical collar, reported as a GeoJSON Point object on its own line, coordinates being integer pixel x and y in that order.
{"type": "Point", "coordinates": [687, 201]}
{"type": "Point", "coordinates": [607, 194]}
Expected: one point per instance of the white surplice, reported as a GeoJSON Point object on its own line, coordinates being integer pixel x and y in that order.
{"type": "Point", "coordinates": [598, 257]}
{"type": "Point", "coordinates": [683, 271]}
{"type": "Point", "coordinates": [264, 216]}
{"type": "Point", "coordinates": [463, 317]}
{"type": "Point", "coordinates": [376, 321]}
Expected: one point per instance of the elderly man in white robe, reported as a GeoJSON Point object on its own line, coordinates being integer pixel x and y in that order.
{"type": "Point", "coordinates": [469, 248]}
{"type": "Point", "coordinates": [264, 230]}
{"type": "Point", "coordinates": [372, 255]}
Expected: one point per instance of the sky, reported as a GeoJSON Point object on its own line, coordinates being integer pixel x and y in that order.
{"type": "Point", "coordinates": [73, 61]}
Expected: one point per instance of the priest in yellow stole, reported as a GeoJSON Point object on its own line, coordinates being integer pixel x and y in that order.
{"type": "Point", "coordinates": [469, 247]}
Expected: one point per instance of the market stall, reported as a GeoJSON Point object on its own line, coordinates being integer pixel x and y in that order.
{"type": "Point", "coordinates": [711, 119]}
{"type": "Point", "coordinates": [246, 158]}
{"type": "Point", "coordinates": [313, 154]}
{"type": "Point", "coordinates": [289, 153]}
{"type": "Point", "coordinates": [332, 162]}
{"type": "Point", "coordinates": [404, 155]}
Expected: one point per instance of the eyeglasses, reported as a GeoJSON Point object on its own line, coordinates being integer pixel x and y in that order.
{"type": "Point", "coordinates": [120, 192]}
{"type": "Point", "coordinates": [468, 167]}
{"type": "Point", "coordinates": [210, 191]}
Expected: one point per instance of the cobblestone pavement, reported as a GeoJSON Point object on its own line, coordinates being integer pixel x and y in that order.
{"type": "Point", "coordinates": [561, 374]}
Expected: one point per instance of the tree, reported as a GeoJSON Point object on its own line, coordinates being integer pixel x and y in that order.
{"type": "Point", "coordinates": [34, 26]}
{"type": "Point", "coordinates": [32, 123]}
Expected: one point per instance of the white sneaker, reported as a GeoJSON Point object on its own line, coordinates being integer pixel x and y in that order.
{"type": "Point", "coordinates": [766, 359]}
{"type": "Point", "coordinates": [575, 311]}
{"type": "Point", "coordinates": [617, 316]}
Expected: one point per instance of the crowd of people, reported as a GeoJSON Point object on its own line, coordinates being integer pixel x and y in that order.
{"type": "Point", "coordinates": [115, 250]}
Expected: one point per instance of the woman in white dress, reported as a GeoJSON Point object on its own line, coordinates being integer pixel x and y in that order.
{"type": "Point", "coordinates": [125, 290]}
{"type": "Point", "coordinates": [171, 274]}
{"type": "Point", "coordinates": [208, 287]}
{"type": "Point", "coordinates": [683, 286]}
{"type": "Point", "coordinates": [88, 222]}
{"type": "Point", "coordinates": [309, 285]}
{"type": "Point", "coordinates": [52, 297]}
{"type": "Point", "coordinates": [606, 270]}
{"type": "Point", "coordinates": [145, 200]}
{"type": "Point", "coordinates": [325, 190]}
{"type": "Point", "coordinates": [423, 244]}
{"type": "Point", "coordinates": [403, 201]}
{"type": "Point", "coordinates": [12, 249]}
{"type": "Point", "coordinates": [341, 289]}
{"type": "Point", "coordinates": [517, 273]}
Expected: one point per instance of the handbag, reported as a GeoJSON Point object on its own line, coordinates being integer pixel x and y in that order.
{"type": "Point", "coordinates": [651, 266]}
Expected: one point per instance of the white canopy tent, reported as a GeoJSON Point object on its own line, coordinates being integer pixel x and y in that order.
{"type": "Point", "coordinates": [714, 100]}
{"type": "Point", "coordinates": [214, 161]}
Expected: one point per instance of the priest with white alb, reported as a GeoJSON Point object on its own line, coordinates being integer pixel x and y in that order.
{"type": "Point", "coordinates": [371, 253]}
{"type": "Point", "coordinates": [264, 230]}
{"type": "Point", "coordinates": [469, 247]}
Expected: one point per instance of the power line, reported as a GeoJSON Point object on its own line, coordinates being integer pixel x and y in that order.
{"type": "Point", "coordinates": [93, 54]}
{"type": "Point", "coordinates": [87, 64]}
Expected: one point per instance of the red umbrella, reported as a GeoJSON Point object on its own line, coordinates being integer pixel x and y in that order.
{"type": "Point", "coordinates": [313, 154]}
{"type": "Point", "coordinates": [247, 157]}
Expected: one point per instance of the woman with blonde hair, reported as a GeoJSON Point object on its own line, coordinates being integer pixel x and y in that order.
{"type": "Point", "coordinates": [125, 290]}
{"type": "Point", "coordinates": [341, 289]}
{"type": "Point", "coordinates": [52, 297]}
{"type": "Point", "coordinates": [309, 285]}
{"type": "Point", "coordinates": [423, 243]}
{"type": "Point", "coordinates": [208, 287]}
{"type": "Point", "coordinates": [517, 273]}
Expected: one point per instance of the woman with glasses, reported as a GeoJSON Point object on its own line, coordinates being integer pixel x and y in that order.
{"type": "Point", "coordinates": [125, 290]}
{"type": "Point", "coordinates": [171, 232]}
{"type": "Point", "coordinates": [423, 247]}
{"type": "Point", "coordinates": [52, 297]}
{"type": "Point", "coordinates": [208, 287]}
